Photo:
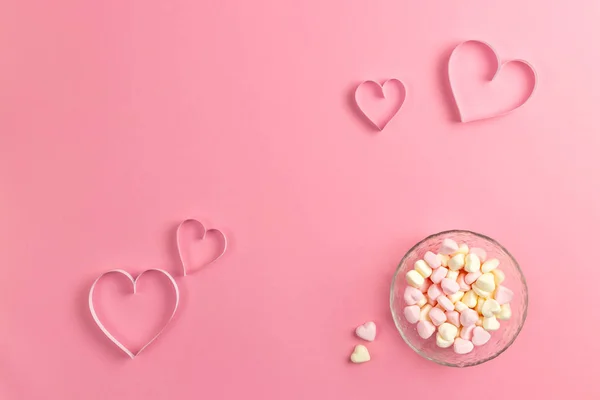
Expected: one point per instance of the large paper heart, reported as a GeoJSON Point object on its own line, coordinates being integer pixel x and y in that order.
{"type": "Point", "coordinates": [478, 109]}
{"type": "Point", "coordinates": [134, 285]}
{"type": "Point", "coordinates": [380, 111]}
{"type": "Point", "coordinates": [202, 235]}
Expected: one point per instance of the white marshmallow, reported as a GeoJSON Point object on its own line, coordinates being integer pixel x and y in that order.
{"type": "Point", "coordinates": [470, 299]}
{"type": "Point", "coordinates": [486, 283]}
{"type": "Point", "coordinates": [441, 342]}
{"type": "Point", "coordinates": [498, 276]}
{"type": "Point", "coordinates": [472, 263]}
{"type": "Point", "coordinates": [445, 258]}
{"type": "Point", "coordinates": [462, 249]}
{"type": "Point", "coordinates": [490, 308]}
{"type": "Point", "coordinates": [456, 262]}
{"type": "Point", "coordinates": [422, 302]}
{"type": "Point", "coordinates": [505, 312]}
{"type": "Point", "coordinates": [490, 265]}
{"type": "Point", "coordinates": [480, 292]}
{"type": "Point", "coordinates": [456, 297]}
{"type": "Point", "coordinates": [452, 275]}
{"type": "Point", "coordinates": [479, 306]}
{"type": "Point", "coordinates": [423, 268]}
{"type": "Point", "coordinates": [460, 306]}
{"type": "Point", "coordinates": [448, 331]}
{"type": "Point", "coordinates": [491, 324]}
{"type": "Point", "coordinates": [414, 278]}
{"type": "Point", "coordinates": [424, 315]}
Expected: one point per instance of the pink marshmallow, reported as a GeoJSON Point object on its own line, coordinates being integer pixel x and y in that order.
{"type": "Point", "coordinates": [412, 314]}
{"type": "Point", "coordinates": [437, 316]}
{"type": "Point", "coordinates": [449, 246]}
{"type": "Point", "coordinates": [431, 301]}
{"type": "Point", "coordinates": [503, 295]}
{"type": "Point", "coordinates": [432, 260]}
{"type": "Point", "coordinates": [412, 295]}
{"type": "Point", "coordinates": [434, 292]}
{"type": "Point", "coordinates": [462, 346]}
{"type": "Point", "coordinates": [472, 277]}
{"type": "Point", "coordinates": [480, 336]}
{"type": "Point", "coordinates": [449, 286]}
{"type": "Point", "coordinates": [438, 274]}
{"type": "Point", "coordinates": [479, 252]}
{"type": "Point", "coordinates": [468, 317]}
{"type": "Point", "coordinates": [445, 303]}
{"type": "Point", "coordinates": [462, 284]}
{"type": "Point", "coordinates": [467, 332]}
{"type": "Point", "coordinates": [425, 329]}
{"type": "Point", "coordinates": [453, 317]}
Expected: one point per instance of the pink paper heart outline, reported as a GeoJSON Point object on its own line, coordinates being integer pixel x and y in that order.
{"type": "Point", "coordinates": [381, 87]}
{"type": "Point", "coordinates": [113, 339]}
{"type": "Point", "coordinates": [205, 232]}
{"type": "Point", "coordinates": [499, 66]}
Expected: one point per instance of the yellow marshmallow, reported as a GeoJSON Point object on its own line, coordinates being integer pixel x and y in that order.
{"type": "Point", "coordinates": [414, 278]}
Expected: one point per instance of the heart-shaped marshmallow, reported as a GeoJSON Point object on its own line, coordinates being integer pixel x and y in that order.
{"type": "Point", "coordinates": [439, 274]}
{"type": "Point", "coordinates": [490, 308]}
{"type": "Point", "coordinates": [479, 252]}
{"type": "Point", "coordinates": [486, 282]}
{"type": "Point", "coordinates": [434, 291]}
{"type": "Point", "coordinates": [462, 346]}
{"type": "Point", "coordinates": [437, 316]}
{"type": "Point", "coordinates": [434, 260]}
{"type": "Point", "coordinates": [449, 246]}
{"type": "Point", "coordinates": [480, 336]}
{"type": "Point", "coordinates": [453, 317]}
{"type": "Point", "coordinates": [503, 295]}
{"type": "Point", "coordinates": [467, 332]}
{"type": "Point", "coordinates": [469, 317]}
{"type": "Point", "coordinates": [449, 286]}
{"type": "Point", "coordinates": [367, 331]}
{"type": "Point", "coordinates": [425, 329]}
{"type": "Point", "coordinates": [491, 324]}
{"type": "Point", "coordinates": [412, 314]}
{"type": "Point", "coordinates": [360, 355]}
{"type": "Point", "coordinates": [412, 295]}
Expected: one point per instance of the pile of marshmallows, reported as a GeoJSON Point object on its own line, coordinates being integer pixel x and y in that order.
{"type": "Point", "coordinates": [458, 293]}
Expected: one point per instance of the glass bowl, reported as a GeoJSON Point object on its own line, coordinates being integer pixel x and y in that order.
{"type": "Point", "coordinates": [501, 339]}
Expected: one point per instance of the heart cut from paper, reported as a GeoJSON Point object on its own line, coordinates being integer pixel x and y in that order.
{"type": "Point", "coordinates": [207, 253]}
{"type": "Point", "coordinates": [380, 103]}
{"type": "Point", "coordinates": [482, 86]}
{"type": "Point", "coordinates": [134, 282]}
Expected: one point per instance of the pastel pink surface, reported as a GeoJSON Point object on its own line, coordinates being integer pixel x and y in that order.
{"type": "Point", "coordinates": [120, 118]}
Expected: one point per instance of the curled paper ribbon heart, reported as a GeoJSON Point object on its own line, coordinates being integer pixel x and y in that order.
{"type": "Point", "coordinates": [204, 232]}
{"type": "Point", "coordinates": [381, 121]}
{"type": "Point", "coordinates": [120, 345]}
{"type": "Point", "coordinates": [498, 68]}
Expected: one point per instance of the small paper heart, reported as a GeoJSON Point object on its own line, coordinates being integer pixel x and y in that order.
{"type": "Point", "coordinates": [382, 103]}
{"type": "Point", "coordinates": [367, 331]}
{"type": "Point", "coordinates": [360, 355]}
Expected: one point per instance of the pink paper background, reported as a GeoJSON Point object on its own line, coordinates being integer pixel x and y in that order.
{"type": "Point", "coordinates": [119, 118]}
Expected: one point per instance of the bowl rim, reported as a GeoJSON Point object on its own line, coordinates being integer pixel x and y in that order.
{"type": "Point", "coordinates": [397, 319]}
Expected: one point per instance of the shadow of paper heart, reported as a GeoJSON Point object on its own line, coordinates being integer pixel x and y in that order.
{"type": "Point", "coordinates": [482, 86]}
{"type": "Point", "coordinates": [380, 103]}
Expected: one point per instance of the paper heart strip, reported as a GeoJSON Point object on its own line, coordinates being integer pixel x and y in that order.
{"type": "Point", "coordinates": [499, 66]}
{"type": "Point", "coordinates": [383, 123]}
{"type": "Point", "coordinates": [204, 233]}
{"type": "Point", "coordinates": [133, 282]}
